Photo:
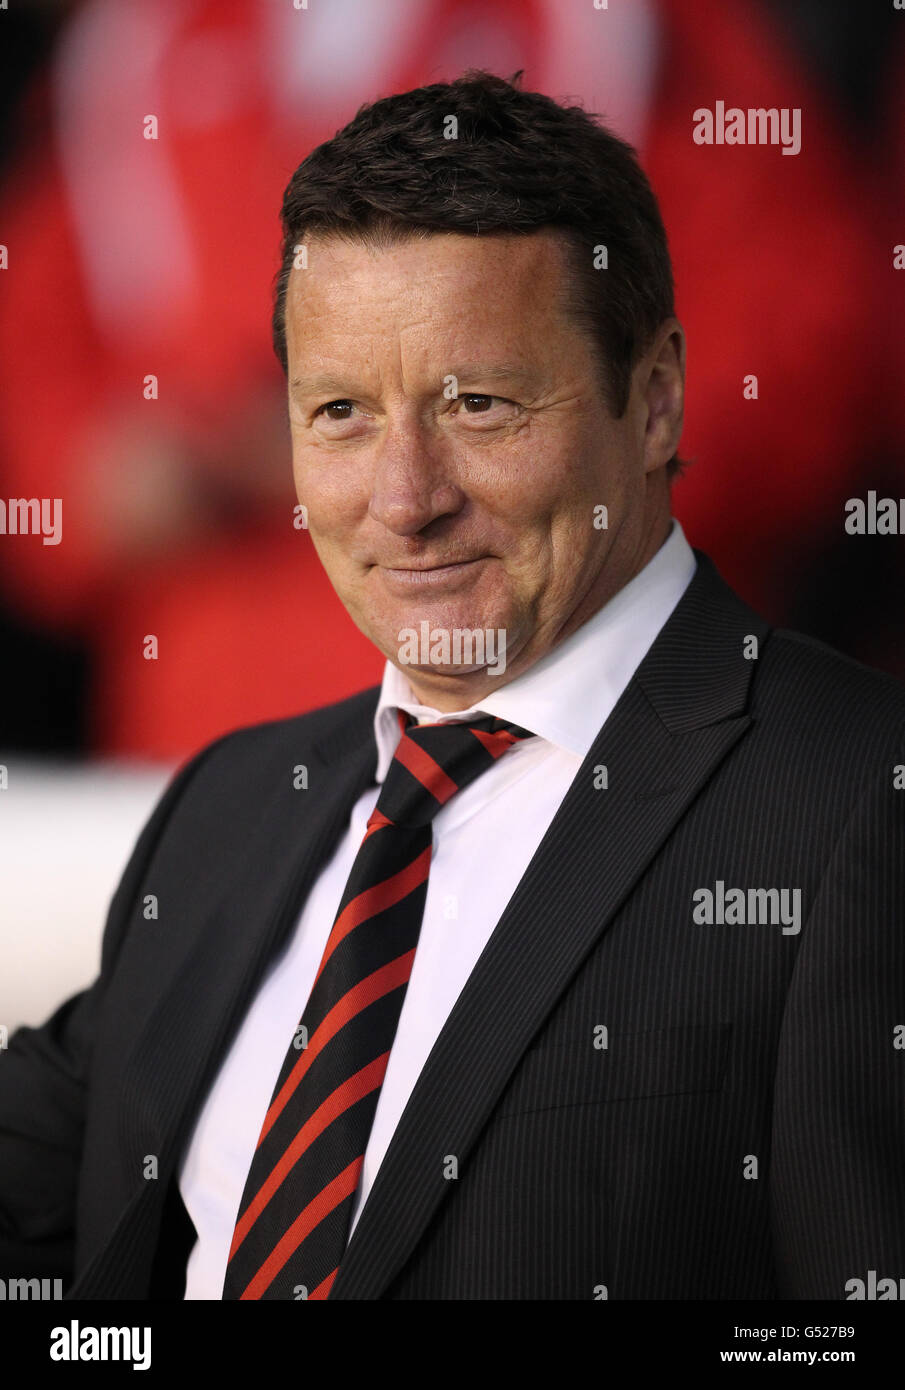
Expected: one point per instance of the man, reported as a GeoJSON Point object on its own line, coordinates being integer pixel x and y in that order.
{"type": "Point", "coordinates": [567, 964]}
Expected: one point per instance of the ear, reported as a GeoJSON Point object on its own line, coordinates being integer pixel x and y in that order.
{"type": "Point", "coordinates": [660, 382]}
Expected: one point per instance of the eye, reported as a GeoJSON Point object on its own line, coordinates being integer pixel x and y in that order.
{"type": "Point", "coordinates": [342, 406]}
{"type": "Point", "coordinates": [488, 412]}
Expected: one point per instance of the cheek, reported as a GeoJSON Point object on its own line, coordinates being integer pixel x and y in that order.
{"type": "Point", "coordinates": [562, 493]}
{"type": "Point", "coordinates": [560, 460]}
{"type": "Point", "coordinates": [517, 488]}
{"type": "Point", "coordinates": [334, 499]}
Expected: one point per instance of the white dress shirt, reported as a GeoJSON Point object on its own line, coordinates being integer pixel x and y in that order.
{"type": "Point", "coordinates": [492, 827]}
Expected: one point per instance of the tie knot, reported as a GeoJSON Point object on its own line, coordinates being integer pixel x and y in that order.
{"type": "Point", "coordinates": [434, 761]}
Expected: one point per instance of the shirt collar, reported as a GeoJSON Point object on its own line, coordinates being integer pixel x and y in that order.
{"type": "Point", "coordinates": [566, 696]}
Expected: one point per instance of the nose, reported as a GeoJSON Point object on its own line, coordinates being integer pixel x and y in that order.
{"type": "Point", "coordinates": [412, 482]}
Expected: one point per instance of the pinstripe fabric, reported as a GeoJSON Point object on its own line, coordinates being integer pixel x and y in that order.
{"type": "Point", "coordinates": [740, 1134]}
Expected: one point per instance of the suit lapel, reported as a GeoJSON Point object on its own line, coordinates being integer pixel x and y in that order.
{"type": "Point", "coordinates": [677, 720]}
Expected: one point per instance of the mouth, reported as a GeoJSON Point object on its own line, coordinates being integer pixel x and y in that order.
{"type": "Point", "coordinates": [415, 575]}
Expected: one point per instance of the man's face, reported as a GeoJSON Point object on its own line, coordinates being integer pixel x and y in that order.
{"type": "Point", "coordinates": [451, 444]}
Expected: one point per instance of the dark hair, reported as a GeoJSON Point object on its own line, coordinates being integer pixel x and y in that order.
{"type": "Point", "coordinates": [519, 163]}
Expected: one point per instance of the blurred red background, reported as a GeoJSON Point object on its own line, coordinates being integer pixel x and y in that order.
{"type": "Point", "coordinates": [130, 257]}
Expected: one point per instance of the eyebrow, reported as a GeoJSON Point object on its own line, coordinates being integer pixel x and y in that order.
{"type": "Point", "coordinates": [468, 371]}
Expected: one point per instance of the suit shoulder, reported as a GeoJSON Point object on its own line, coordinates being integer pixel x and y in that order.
{"type": "Point", "coordinates": [810, 684]}
{"type": "Point", "coordinates": [256, 747]}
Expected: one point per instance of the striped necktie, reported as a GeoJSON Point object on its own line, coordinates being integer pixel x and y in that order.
{"type": "Point", "coordinates": [296, 1208]}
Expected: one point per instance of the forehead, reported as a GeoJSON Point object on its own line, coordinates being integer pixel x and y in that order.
{"type": "Point", "coordinates": [439, 285]}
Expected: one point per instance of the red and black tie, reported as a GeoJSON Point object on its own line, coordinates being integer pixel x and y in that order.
{"type": "Point", "coordinates": [296, 1209]}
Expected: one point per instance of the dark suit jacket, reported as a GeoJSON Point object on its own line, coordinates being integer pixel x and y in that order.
{"type": "Point", "coordinates": [742, 1134]}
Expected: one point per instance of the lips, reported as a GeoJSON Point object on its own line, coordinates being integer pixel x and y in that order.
{"type": "Point", "coordinates": [451, 572]}
{"type": "Point", "coordinates": [441, 565]}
